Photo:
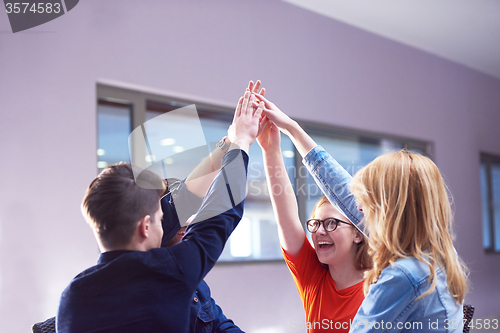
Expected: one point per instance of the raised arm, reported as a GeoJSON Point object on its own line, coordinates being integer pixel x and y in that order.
{"type": "Point", "coordinates": [222, 207]}
{"type": "Point", "coordinates": [199, 180]}
{"type": "Point", "coordinates": [189, 193]}
{"type": "Point", "coordinates": [329, 175]}
{"type": "Point", "coordinates": [302, 141]}
{"type": "Point", "coordinates": [290, 231]}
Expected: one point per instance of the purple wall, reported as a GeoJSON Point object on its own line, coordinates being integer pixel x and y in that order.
{"type": "Point", "coordinates": [315, 69]}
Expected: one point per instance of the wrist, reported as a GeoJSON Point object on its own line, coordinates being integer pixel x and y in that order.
{"type": "Point", "coordinates": [272, 150]}
{"type": "Point", "coordinates": [292, 129]}
{"type": "Point", "coordinates": [224, 144]}
{"type": "Point", "coordinates": [242, 144]}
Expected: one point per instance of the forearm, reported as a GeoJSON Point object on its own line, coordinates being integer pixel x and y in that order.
{"type": "Point", "coordinates": [329, 175]}
{"type": "Point", "coordinates": [201, 177]}
{"type": "Point", "coordinates": [284, 203]}
{"type": "Point", "coordinates": [334, 182]}
{"type": "Point", "coordinates": [220, 212]}
{"type": "Point", "coordinates": [302, 141]}
{"type": "Point", "coordinates": [228, 188]}
{"type": "Point", "coordinates": [199, 180]}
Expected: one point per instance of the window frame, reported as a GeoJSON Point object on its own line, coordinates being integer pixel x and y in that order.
{"type": "Point", "coordinates": [487, 160]}
{"type": "Point", "coordinates": [138, 97]}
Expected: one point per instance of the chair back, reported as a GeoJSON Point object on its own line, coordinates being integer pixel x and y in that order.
{"type": "Point", "coordinates": [48, 326]}
{"type": "Point", "coordinates": [468, 313]}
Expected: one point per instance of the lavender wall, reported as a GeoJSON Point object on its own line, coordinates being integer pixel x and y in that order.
{"type": "Point", "coordinates": [314, 68]}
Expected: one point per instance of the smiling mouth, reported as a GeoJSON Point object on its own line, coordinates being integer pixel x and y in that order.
{"type": "Point", "coordinates": [324, 245]}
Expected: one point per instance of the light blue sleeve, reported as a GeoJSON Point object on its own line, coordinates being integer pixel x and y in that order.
{"type": "Point", "coordinates": [334, 182]}
{"type": "Point", "coordinates": [388, 306]}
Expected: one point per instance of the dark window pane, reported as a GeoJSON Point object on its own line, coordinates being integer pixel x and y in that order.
{"type": "Point", "coordinates": [495, 182]}
{"type": "Point", "coordinates": [114, 125]}
{"type": "Point", "coordinates": [485, 207]}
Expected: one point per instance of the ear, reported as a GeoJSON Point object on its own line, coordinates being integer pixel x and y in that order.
{"type": "Point", "coordinates": [359, 237]}
{"type": "Point", "coordinates": [143, 226]}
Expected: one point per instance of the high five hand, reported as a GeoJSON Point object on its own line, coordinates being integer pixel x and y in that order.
{"type": "Point", "coordinates": [246, 121]}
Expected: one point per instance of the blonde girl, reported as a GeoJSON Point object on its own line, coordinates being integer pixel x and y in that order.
{"type": "Point", "coordinates": [408, 214]}
{"type": "Point", "coordinates": [417, 282]}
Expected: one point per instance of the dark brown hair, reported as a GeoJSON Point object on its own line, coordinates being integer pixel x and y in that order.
{"type": "Point", "coordinates": [114, 203]}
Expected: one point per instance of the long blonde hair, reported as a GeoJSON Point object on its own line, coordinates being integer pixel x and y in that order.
{"type": "Point", "coordinates": [408, 213]}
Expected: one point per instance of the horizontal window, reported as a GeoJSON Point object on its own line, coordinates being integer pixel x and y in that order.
{"type": "Point", "coordinates": [256, 238]}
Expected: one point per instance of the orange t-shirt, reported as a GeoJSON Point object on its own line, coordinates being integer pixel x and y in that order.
{"type": "Point", "coordinates": [327, 309]}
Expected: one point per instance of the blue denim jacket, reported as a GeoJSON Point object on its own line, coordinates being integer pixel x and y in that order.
{"type": "Point", "coordinates": [392, 303]}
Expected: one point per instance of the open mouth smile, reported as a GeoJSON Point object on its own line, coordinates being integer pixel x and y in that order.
{"type": "Point", "coordinates": [324, 245]}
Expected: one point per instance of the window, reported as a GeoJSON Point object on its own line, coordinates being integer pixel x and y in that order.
{"type": "Point", "coordinates": [113, 128]}
{"type": "Point", "coordinates": [256, 238]}
{"type": "Point", "coordinates": [490, 193]}
{"type": "Point", "coordinates": [353, 150]}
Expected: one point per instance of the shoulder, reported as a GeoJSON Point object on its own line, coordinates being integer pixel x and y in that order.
{"type": "Point", "coordinates": [125, 267]}
{"type": "Point", "coordinates": [404, 277]}
{"type": "Point", "coordinates": [393, 296]}
{"type": "Point", "coordinates": [393, 278]}
{"type": "Point", "coordinates": [306, 260]}
{"type": "Point", "coordinates": [306, 269]}
{"type": "Point", "coordinates": [416, 271]}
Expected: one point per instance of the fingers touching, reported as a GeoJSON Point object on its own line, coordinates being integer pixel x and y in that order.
{"type": "Point", "coordinates": [249, 120]}
{"type": "Point", "coordinates": [259, 109]}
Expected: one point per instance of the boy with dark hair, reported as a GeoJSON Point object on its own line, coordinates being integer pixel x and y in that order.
{"type": "Point", "coordinates": [137, 286]}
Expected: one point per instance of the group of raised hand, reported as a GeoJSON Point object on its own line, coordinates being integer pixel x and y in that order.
{"type": "Point", "coordinates": [257, 117]}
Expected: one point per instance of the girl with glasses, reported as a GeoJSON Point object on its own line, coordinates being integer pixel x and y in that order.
{"type": "Point", "coordinates": [417, 282]}
{"type": "Point", "coordinates": [329, 277]}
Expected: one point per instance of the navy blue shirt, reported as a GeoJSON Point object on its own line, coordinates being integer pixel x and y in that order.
{"type": "Point", "coordinates": [151, 291]}
{"type": "Point", "coordinates": [205, 316]}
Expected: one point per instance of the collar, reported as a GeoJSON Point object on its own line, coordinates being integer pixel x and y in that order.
{"type": "Point", "coordinates": [107, 257]}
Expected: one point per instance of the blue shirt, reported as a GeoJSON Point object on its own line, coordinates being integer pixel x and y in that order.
{"type": "Point", "coordinates": [392, 303]}
{"type": "Point", "coordinates": [151, 291]}
{"type": "Point", "coordinates": [205, 316]}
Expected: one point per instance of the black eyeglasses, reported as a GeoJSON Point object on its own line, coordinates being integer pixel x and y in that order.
{"type": "Point", "coordinates": [329, 224]}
